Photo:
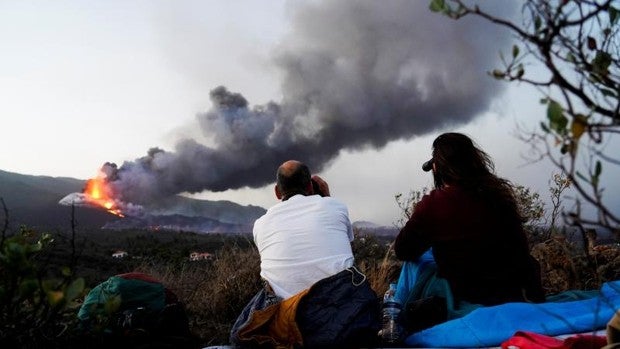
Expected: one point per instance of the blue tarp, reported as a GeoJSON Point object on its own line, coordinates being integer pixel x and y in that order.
{"type": "Point", "coordinates": [490, 326]}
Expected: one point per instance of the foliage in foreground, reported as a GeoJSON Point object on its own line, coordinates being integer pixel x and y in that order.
{"type": "Point", "coordinates": [214, 292]}
{"type": "Point", "coordinates": [36, 308]}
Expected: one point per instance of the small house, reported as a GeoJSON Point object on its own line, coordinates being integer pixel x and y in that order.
{"type": "Point", "coordinates": [200, 256]}
{"type": "Point", "coordinates": [119, 254]}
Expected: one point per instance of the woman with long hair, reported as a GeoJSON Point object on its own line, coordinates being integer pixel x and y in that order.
{"type": "Point", "coordinates": [473, 226]}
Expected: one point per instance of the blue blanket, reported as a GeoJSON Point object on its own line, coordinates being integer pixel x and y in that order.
{"type": "Point", "coordinates": [490, 326]}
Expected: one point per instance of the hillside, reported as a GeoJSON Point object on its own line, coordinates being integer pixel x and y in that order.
{"type": "Point", "coordinates": [371, 228]}
{"type": "Point", "coordinates": [33, 201]}
{"type": "Point", "coordinates": [222, 210]}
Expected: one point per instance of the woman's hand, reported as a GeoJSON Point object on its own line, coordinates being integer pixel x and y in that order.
{"type": "Point", "coordinates": [323, 187]}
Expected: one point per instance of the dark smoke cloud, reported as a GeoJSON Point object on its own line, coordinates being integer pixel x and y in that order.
{"type": "Point", "coordinates": [356, 74]}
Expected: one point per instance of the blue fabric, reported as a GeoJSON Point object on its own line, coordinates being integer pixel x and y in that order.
{"type": "Point", "coordinates": [490, 326]}
{"type": "Point", "coordinates": [409, 275]}
{"type": "Point", "coordinates": [419, 280]}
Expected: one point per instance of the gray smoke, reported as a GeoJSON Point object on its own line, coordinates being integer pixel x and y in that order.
{"type": "Point", "coordinates": [356, 74]}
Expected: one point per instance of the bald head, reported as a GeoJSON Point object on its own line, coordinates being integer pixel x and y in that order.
{"type": "Point", "coordinates": [288, 168]}
{"type": "Point", "coordinates": [293, 178]}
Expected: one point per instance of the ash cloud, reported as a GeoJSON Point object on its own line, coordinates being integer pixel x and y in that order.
{"type": "Point", "coordinates": [356, 74]}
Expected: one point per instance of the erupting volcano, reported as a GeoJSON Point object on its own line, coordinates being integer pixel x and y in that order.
{"type": "Point", "coordinates": [171, 213]}
{"type": "Point", "coordinates": [97, 193]}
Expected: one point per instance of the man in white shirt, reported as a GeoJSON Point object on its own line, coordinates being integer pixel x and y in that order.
{"type": "Point", "coordinates": [316, 298]}
{"type": "Point", "coordinates": [304, 238]}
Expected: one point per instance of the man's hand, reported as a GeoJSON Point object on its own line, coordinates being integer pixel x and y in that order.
{"type": "Point", "coordinates": [323, 188]}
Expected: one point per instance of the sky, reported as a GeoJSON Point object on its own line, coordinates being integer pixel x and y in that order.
{"type": "Point", "coordinates": [206, 98]}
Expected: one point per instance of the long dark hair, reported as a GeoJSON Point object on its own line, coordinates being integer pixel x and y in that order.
{"type": "Point", "coordinates": [458, 161]}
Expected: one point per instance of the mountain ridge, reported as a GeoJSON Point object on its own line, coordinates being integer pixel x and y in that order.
{"type": "Point", "coordinates": [32, 200]}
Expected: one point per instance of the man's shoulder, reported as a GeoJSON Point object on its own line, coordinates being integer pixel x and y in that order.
{"type": "Point", "coordinates": [301, 202]}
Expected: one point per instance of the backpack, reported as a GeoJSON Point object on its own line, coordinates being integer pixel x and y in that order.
{"type": "Point", "coordinates": [133, 310]}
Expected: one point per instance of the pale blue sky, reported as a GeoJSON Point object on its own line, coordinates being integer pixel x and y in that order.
{"type": "Point", "coordinates": [84, 82]}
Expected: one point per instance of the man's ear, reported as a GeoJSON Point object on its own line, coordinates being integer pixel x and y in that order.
{"type": "Point", "coordinates": [278, 194]}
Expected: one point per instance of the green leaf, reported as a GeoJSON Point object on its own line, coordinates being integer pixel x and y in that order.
{"type": "Point", "coordinates": [598, 168]}
{"type": "Point", "coordinates": [15, 248]}
{"type": "Point", "coordinates": [28, 287]}
{"type": "Point", "coordinates": [537, 23]}
{"type": "Point", "coordinates": [437, 5]}
{"type": "Point", "coordinates": [613, 14]}
{"type": "Point", "coordinates": [570, 57]}
{"type": "Point", "coordinates": [581, 176]}
{"type": "Point", "coordinates": [601, 62]}
{"type": "Point", "coordinates": [515, 51]}
{"type": "Point", "coordinates": [49, 285]}
{"type": "Point", "coordinates": [557, 120]}
{"type": "Point", "coordinates": [520, 71]}
{"type": "Point", "coordinates": [74, 289]}
{"type": "Point", "coordinates": [554, 110]}
{"type": "Point", "coordinates": [608, 93]}
{"type": "Point", "coordinates": [498, 74]}
{"type": "Point", "coordinates": [544, 127]}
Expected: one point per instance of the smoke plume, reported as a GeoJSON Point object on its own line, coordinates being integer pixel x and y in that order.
{"type": "Point", "coordinates": [356, 74]}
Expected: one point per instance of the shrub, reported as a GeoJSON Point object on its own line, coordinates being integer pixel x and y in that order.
{"type": "Point", "coordinates": [36, 308]}
{"type": "Point", "coordinates": [375, 258]}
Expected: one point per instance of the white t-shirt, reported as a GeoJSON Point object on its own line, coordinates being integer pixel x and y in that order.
{"type": "Point", "coordinates": [303, 240]}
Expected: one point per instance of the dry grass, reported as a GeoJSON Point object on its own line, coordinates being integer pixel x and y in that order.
{"type": "Point", "coordinates": [216, 291]}
{"type": "Point", "coordinates": [567, 266]}
{"type": "Point", "coordinates": [381, 273]}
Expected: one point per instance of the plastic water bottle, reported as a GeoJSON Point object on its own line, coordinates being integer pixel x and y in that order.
{"type": "Point", "coordinates": [391, 330]}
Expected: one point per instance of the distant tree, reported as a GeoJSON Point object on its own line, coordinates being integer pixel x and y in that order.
{"type": "Point", "coordinates": [576, 44]}
{"type": "Point", "coordinates": [406, 204]}
{"type": "Point", "coordinates": [541, 223]}
{"type": "Point", "coordinates": [532, 209]}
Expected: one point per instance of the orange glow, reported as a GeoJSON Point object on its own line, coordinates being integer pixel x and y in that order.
{"type": "Point", "coordinates": [96, 191]}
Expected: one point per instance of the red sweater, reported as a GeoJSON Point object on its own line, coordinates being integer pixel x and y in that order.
{"type": "Point", "coordinates": [479, 249]}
